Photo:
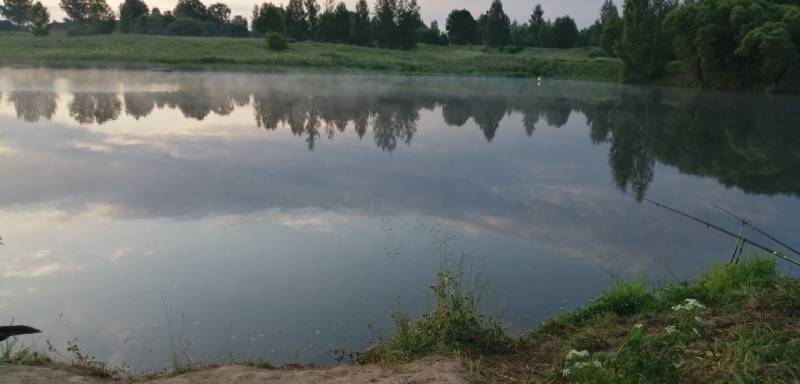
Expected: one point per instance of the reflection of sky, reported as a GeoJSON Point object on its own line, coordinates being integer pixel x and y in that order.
{"type": "Point", "coordinates": [256, 243]}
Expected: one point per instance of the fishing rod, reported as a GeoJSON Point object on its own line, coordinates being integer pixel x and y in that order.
{"type": "Point", "coordinates": [748, 223]}
{"type": "Point", "coordinates": [719, 229]}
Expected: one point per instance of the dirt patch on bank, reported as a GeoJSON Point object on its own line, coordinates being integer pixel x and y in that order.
{"type": "Point", "coordinates": [426, 371]}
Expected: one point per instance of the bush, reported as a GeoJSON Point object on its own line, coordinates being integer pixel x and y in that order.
{"type": "Point", "coordinates": [625, 299]}
{"type": "Point", "coordinates": [187, 26]}
{"type": "Point", "coordinates": [276, 41]}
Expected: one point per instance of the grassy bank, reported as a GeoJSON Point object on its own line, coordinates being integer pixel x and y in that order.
{"type": "Point", "coordinates": [249, 54]}
{"type": "Point", "coordinates": [734, 324]}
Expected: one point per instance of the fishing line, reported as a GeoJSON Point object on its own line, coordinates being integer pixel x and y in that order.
{"type": "Point", "coordinates": [748, 223]}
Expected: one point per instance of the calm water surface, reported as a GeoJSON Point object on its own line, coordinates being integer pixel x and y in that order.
{"type": "Point", "coordinates": [286, 216]}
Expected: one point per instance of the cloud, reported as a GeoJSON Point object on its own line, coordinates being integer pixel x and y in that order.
{"type": "Point", "coordinates": [31, 271]}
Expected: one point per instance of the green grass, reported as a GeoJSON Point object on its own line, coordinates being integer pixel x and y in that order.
{"type": "Point", "coordinates": [251, 54]}
{"type": "Point", "coordinates": [733, 324]}
{"type": "Point", "coordinates": [12, 351]}
{"type": "Point", "coordinates": [453, 328]}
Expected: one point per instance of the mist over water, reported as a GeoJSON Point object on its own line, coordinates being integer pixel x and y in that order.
{"type": "Point", "coordinates": [286, 216]}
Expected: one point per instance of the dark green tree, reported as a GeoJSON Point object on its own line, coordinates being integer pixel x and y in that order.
{"type": "Point", "coordinates": [194, 9]}
{"type": "Point", "coordinates": [219, 13]}
{"type": "Point", "coordinates": [536, 25]}
{"type": "Point", "coordinates": [566, 32]}
{"type": "Point", "coordinates": [296, 22]}
{"type": "Point", "coordinates": [39, 19]}
{"type": "Point", "coordinates": [362, 30]}
{"type": "Point", "coordinates": [268, 18]}
{"type": "Point", "coordinates": [610, 27]}
{"type": "Point", "coordinates": [644, 49]}
{"type": "Point", "coordinates": [129, 11]}
{"type": "Point", "coordinates": [334, 24]}
{"type": "Point", "coordinates": [16, 11]}
{"type": "Point", "coordinates": [408, 21]}
{"type": "Point", "coordinates": [496, 31]}
{"type": "Point", "coordinates": [772, 46]}
{"type": "Point", "coordinates": [312, 17]}
{"type": "Point", "coordinates": [385, 28]}
{"type": "Point", "coordinates": [461, 27]}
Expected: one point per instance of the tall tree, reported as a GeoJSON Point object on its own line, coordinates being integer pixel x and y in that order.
{"type": "Point", "coordinates": [496, 31]}
{"type": "Point", "coordinates": [536, 24]}
{"type": "Point", "coordinates": [219, 13]}
{"type": "Point", "coordinates": [362, 31]}
{"type": "Point", "coordinates": [268, 18]}
{"type": "Point", "coordinates": [461, 27]}
{"type": "Point", "coordinates": [16, 11]}
{"type": "Point", "coordinates": [39, 19]}
{"type": "Point", "coordinates": [643, 48]}
{"type": "Point", "coordinates": [385, 27]}
{"type": "Point", "coordinates": [408, 21]}
{"type": "Point", "coordinates": [565, 32]}
{"type": "Point", "coordinates": [312, 17]}
{"type": "Point", "coordinates": [194, 9]}
{"type": "Point", "coordinates": [296, 23]}
{"type": "Point", "coordinates": [129, 11]}
{"type": "Point", "coordinates": [610, 27]}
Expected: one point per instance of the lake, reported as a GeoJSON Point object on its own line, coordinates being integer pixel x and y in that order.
{"type": "Point", "coordinates": [286, 216]}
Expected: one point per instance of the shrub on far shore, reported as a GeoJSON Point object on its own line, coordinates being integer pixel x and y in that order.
{"type": "Point", "coordinates": [276, 41]}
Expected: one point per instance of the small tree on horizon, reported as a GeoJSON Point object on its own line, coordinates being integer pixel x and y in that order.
{"type": "Point", "coordinates": [129, 11]}
{"type": "Point", "coordinates": [496, 28]}
{"type": "Point", "coordinates": [461, 27]}
{"type": "Point", "coordinates": [362, 30]}
{"type": "Point", "coordinates": [385, 27]}
{"type": "Point", "coordinates": [312, 18]}
{"type": "Point", "coordinates": [39, 19]}
{"type": "Point", "coordinates": [565, 32]}
{"type": "Point", "coordinates": [537, 24]}
{"type": "Point", "coordinates": [268, 18]}
{"type": "Point", "coordinates": [296, 23]}
{"type": "Point", "coordinates": [408, 21]}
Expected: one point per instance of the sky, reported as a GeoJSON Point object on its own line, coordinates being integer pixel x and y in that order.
{"type": "Point", "coordinates": [583, 11]}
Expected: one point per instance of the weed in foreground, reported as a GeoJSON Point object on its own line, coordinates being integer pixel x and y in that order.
{"type": "Point", "coordinates": [454, 327]}
{"type": "Point", "coordinates": [12, 351]}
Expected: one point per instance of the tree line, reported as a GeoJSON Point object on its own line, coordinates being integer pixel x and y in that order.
{"type": "Point", "coordinates": [722, 43]}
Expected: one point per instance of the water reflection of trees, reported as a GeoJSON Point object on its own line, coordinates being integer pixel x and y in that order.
{"type": "Point", "coordinates": [742, 141]}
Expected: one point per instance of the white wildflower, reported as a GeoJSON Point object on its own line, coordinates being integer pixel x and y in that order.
{"type": "Point", "coordinates": [580, 365]}
{"type": "Point", "coordinates": [573, 354]}
{"type": "Point", "coordinates": [565, 371]}
{"type": "Point", "coordinates": [598, 364]}
{"type": "Point", "coordinates": [696, 332]}
{"type": "Point", "coordinates": [671, 329]}
{"type": "Point", "coordinates": [698, 319]}
{"type": "Point", "coordinates": [688, 305]}
{"type": "Point", "coordinates": [639, 326]}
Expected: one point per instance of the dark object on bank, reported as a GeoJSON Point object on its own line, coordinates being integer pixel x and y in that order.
{"type": "Point", "coordinates": [16, 330]}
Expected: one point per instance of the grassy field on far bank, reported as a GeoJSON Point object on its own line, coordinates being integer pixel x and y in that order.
{"type": "Point", "coordinates": [251, 54]}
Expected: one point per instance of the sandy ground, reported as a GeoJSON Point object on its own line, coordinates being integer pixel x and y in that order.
{"type": "Point", "coordinates": [426, 371]}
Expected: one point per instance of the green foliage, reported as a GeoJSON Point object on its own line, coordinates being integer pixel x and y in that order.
{"type": "Point", "coordinates": [39, 19]}
{"type": "Point", "coordinates": [16, 11]}
{"type": "Point", "coordinates": [461, 27]}
{"type": "Point", "coordinates": [408, 21]}
{"type": "Point", "coordinates": [726, 283]}
{"type": "Point", "coordinates": [495, 26]}
{"type": "Point", "coordinates": [193, 9]}
{"type": "Point", "coordinates": [188, 26]}
{"type": "Point", "coordinates": [737, 43]}
{"type": "Point", "coordinates": [565, 32]}
{"type": "Point", "coordinates": [625, 299]}
{"type": "Point", "coordinates": [296, 21]}
{"type": "Point", "coordinates": [385, 29]}
{"type": "Point", "coordinates": [362, 30]}
{"type": "Point", "coordinates": [644, 49]}
{"type": "Point", "coordinates": [268, 18]}
{"type": "Point", "coordinates": [454, 326]}
{"type": "Point", "coordinates": [129, 11]}
{"type": "Point", "coordinates": [334, 25]}
{"type": "Point", "coordinates": [610, 27]}
{"type": "Point", "coordinates": [94, 17]}
{"type": "Point", "coordinates": [276, 41]}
